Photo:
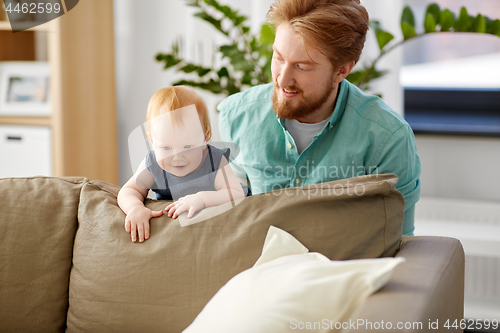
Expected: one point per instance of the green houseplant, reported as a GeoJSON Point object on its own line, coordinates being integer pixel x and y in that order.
{"type": "Point", "coordinates": [249, 56]}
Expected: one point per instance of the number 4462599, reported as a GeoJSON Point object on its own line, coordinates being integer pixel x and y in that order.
{"type": "Point", "coordinates": [34, 8]}
{"type": "Point", "coordinates": [471, 324]}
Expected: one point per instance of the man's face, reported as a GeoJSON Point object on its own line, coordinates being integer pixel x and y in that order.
{"type": "Point", "coordinates": [304, 80]}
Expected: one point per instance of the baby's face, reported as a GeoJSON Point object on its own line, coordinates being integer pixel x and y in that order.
{"type": "Point", "coordinates": [178, 148]}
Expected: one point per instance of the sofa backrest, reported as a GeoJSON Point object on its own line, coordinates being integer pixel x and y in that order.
{"type": "Point", "coordinates": [73, 231]}
{"type": "Point", "coordinates": [38, 221]}
{"type": "Point", "coordinates": [162, 284]}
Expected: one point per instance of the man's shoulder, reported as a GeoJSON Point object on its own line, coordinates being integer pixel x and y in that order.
{"type": "Point", "coordinates": [373, 110]}
{"type": "Point", "coordinates": [258, 95]}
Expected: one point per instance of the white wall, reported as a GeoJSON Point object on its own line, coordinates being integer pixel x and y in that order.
{"type": "Point", "coordinates": [388, 13]}
{"type": "Point", "coordinates": [460, 167]}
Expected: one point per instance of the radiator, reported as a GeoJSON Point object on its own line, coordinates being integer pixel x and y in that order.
{"type": "Point", "coordinates": [477, 225]}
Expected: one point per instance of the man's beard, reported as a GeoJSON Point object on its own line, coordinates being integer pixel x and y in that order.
{"type": "Point", "coordinates": [306, 106]}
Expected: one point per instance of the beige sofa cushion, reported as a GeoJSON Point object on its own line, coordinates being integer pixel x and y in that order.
{"type": "Point", "coordinates": [37, 228]}
{"type": "Point", "coordinates": [162, 284]}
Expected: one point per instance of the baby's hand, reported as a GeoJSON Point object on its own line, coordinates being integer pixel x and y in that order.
{"type": "Point", "coordinates": [137, 222]}
{"type": "Point", "coordinates": [191, 203]}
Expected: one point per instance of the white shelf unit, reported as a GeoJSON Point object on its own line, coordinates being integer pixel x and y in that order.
{"type": "Point", "coordinates": [79, 48]}
{"type": "Point", "coordinates": [30, 146]}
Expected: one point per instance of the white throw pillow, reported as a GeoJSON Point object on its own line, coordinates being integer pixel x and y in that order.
{"type": "Point", "coordinates": [289, 289]}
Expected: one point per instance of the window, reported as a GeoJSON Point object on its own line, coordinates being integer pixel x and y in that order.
{"type": "Point", "coordinates": [452, 80]}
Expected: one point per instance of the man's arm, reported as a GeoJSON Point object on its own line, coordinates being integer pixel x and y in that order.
{"type": "Point", "coordinates": [226, 136]}
{"type": "Point", "coordinates": [399, 156]}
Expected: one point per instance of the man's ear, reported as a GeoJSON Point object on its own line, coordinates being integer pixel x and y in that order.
{"type": "Point", "coordinates": [343, 71]}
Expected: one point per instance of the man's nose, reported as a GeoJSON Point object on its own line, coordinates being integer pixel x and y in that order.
{"type": "Point", "coordinates": [286, 78]}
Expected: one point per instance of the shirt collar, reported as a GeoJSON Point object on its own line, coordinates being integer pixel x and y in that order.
{"type": "Point", "coordinates": [340, 104]}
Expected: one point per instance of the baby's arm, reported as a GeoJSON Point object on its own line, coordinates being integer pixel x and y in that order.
{"type": "Point", "coordinates": [222, 194]}
{"type": "Point", "coordinates": [131, 201]}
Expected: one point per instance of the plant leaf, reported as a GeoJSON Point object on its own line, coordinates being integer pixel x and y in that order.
{"type": "Point", "coordinates": [266, 36]}
{"type": "Point", "coordinates": [462, 23]}
{"type": "Point", "coordinates": [383, 37]}
{"type": "Point", "coordinates": [479, 24]}
{"type": "Point", "coordinates": [203, 71]}
{"type": "Point", "coordinates": [447, 20]}
{"type": "Point", "coordinates": [223, 72]}
{"type": "Point", "coordinates": [213, 21]}
{"type": "Point", "coordinates": [236, 57]}
{"type": "Point", "coordinates": [435, 11]}
{"type": "Point", "coordinates": [229, 51]}
{"type": "Point", "coordinates": [492, 26]}
{"type": "Point", "coordinates": [228, 12]}
{"type": "Point", "coordinates": [267, 74]}
{"type": "Point", "coordinates": [246, 79]}
{"type": "Point", "coordinates": [362, 77]}
{"type": "Point", "coordinates": [354, 76]}
{"type": "Point", "coordinates": [189, 68]}
{"type": "Point", "coordinates": [408, 23]}
{"type": "Point", "coordinates": [408, 30]}
{"type": "Point", "coordinates": [212, 85]}
{"type": "Point", "coordinates": [408, 16]}
{"type": "Point", "coordinates": [170, 59]}
{"type": "Point", "coordinates": [193, 3]}
{"type": "Point", "coordinates": [429, 23]}
{"type": "Point", "coordinates": [495, 28]}
{"type": "Point", "coordinates": [239, 20]}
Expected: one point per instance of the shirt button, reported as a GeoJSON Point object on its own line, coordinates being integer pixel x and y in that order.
{"type": "Point", "coordinates": [297, 181]}
{"type": "Point", "coordinates": [331, 126]}
{"type": "Point", "coordinates": [290, 145]}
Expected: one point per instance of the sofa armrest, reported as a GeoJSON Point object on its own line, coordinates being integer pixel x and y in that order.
{"type": "Point", "coordinates": [428, 289]}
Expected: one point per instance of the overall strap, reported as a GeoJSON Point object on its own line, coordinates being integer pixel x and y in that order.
{"type": "Point", "coordinates": [211, 159]}
{"type": "Point", "coordinates": [165, 177]}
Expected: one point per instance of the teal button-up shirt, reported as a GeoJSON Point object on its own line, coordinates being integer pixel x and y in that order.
{"type": "Point", "coordinates": [363, 136]}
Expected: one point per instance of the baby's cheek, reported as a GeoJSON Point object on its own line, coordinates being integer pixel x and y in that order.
{"type": "Point", "coordinates": [162, 161]}
{"type": "Point", "coordinates": [198, 158]}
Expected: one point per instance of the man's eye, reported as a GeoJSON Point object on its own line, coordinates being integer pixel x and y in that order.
{"type": "Point", "coordinates": [167, 148]}
{"type": "Point", "coordinates": [188, 146]}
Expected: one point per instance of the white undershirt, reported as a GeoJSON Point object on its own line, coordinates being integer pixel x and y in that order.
{"type": "Point", "coordinates": [302, 133]}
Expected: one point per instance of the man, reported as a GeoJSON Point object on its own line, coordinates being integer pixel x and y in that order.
{"type": "Point", "coordinates": [311, 125]}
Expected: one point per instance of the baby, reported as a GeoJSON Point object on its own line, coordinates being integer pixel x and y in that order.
{"type": "Point", "coordinates": [180, 166]}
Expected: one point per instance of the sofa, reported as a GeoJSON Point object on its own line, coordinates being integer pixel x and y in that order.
{"type": "Point", "coordinates": [67, 264]}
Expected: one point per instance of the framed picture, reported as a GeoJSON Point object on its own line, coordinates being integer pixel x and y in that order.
{"type": "Point", "coordinates": [24, 88]}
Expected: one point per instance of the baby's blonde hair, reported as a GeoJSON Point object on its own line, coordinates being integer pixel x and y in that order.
{"type": "Point", "coordinates": [170, 99]}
